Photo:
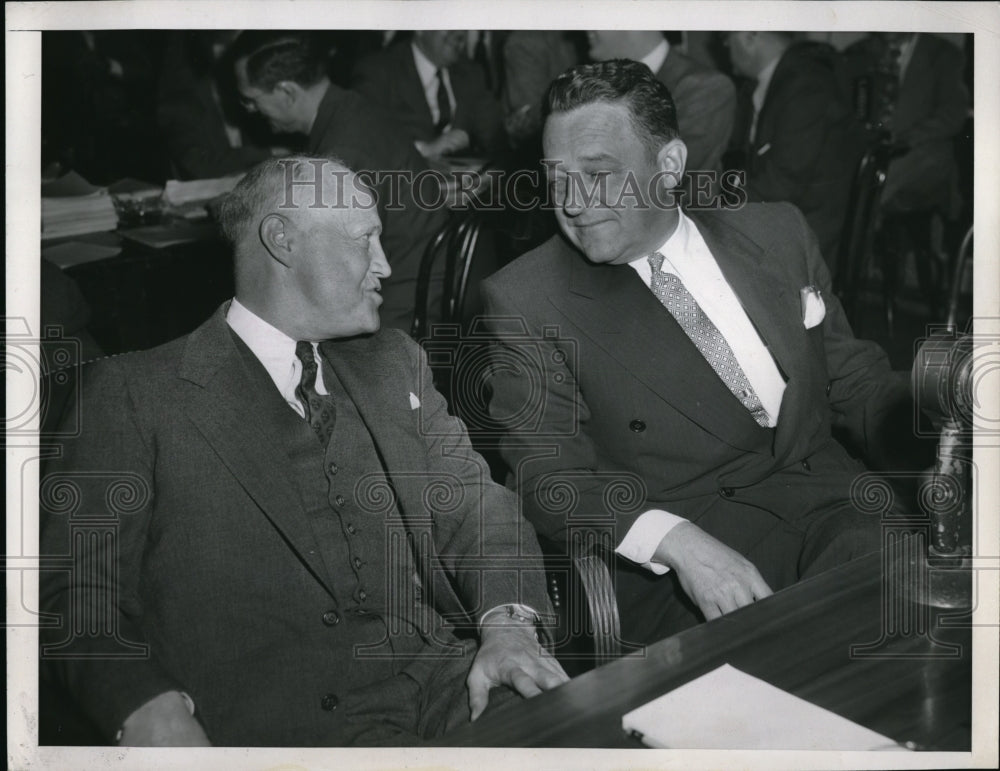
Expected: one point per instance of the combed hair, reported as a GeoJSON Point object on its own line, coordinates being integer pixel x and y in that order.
{"type": "Point", "coordinates": [650, 105]}
{"type": "Point", "coordinates": [276, 56]}
{"type": "Point", "coordinates": [259, 191]}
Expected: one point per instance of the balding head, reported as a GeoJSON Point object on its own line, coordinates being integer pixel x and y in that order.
{"type": "Point", "coordinates": [305, 236]}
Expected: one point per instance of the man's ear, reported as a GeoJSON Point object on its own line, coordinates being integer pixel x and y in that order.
{"type": "Point", "coordinates": [671, 161]}
{"type": "Point", "coordinates": [276, 236]}
{"type": "Point", "coordinates": [288, 90]}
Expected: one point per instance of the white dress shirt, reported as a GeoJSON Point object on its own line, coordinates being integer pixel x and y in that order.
{"type": "Point", "coordinates": [428, 73]}
{"type": "Point", "coordinates": [655, 58]}
{"type": "Point", "coordinates": [687, 256]}
{"type": "Point", "coordinates": [276, 351]}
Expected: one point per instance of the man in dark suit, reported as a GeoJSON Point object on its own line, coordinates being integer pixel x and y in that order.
{"type": "Point", "coordinates": [683, 372]}
{"type": "Point", "coordinates": [705, 99]}
{"type": "Point", "coordinates": [799, 141]}
{"type": "Point", "coordinates": [272, 526]}
{"type": "Point", "coordinates": [283, 77]}
{"type": "Point", "coordinates": [435, 93]}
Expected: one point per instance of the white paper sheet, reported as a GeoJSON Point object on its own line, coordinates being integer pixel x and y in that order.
{"type": "Point", "coordinates": [729, 709]}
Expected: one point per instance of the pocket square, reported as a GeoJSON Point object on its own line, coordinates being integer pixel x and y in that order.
{"type": "Point", "coordinates": [813, 307]}
{"type": "Point", "coordinates": [414, 401]}
{"type": "Point", "coordinates": [764, 148]}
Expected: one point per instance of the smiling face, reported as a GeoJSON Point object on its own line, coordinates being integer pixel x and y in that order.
{"type": "Point", "coordinates": [335, 270]}
{"type": "Point", "coordinates": [596, 147]}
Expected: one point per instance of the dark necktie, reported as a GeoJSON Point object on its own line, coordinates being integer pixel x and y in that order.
{"type": "Point", "coordinates": [481, 55]}
{"type": "Point", "coordinates": [320, 411]}
{"type": "Point", "coordinates": [444, 105]}
{"type": "Point", "coordinates": [707, 338]}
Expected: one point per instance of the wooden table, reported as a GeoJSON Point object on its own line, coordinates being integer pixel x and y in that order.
{"type": "Point", "coordinates": [851, 640]}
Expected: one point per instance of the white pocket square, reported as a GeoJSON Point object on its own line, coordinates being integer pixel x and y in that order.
{"type": "Point", "coordinates": [813, 307]}
{"type": "Point", "coordinates": [414, 401]}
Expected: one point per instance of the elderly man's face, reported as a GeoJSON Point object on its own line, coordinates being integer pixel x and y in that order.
{"type": "Point", "coordinates": [274, 105]}
{"type": "Point", "coordinates": [608, 188]}
{"type": "Point", "coordinates": [442, 47]}
{"type": "Point", "coordinates": [336, 268]}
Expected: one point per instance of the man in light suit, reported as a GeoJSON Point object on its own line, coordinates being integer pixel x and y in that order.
{"type": "Point", "coordinates": [272, 527]}
{"type": "Point", "coordinates": [705, 99]}
{"type": "Point", "coordinates": [719, 485]}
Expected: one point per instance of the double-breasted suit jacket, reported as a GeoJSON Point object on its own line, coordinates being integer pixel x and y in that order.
{"type": "Point", "coordinates": [210, 577]}
{"type": "Point", "coordinates": [612, 411]}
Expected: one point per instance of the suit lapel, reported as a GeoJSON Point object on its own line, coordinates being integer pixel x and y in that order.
{"type": "Point", "coordinates": [650, 345]}
{"type": "Point", "coordinates": [223, 405]}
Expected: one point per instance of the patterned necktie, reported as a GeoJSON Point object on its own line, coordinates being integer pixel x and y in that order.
{"type": "Point", "coordinates": [319, 408]}
{"type": "Point", "coordinates": [705, 335]}
{"type": "Point", "coordinates": [444, 104]}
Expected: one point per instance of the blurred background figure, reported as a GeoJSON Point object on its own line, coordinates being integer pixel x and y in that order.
{"type": "Point", "coordinates": [916, 99]}
{"type": "Point", "coordinates": [705, 98]}
{"type": "Point", "coordinates": [206, 132]}
{"type": "Point", "coordinates": [531, 60]}
{"type": "Point", "coordinates": [98, 104]}
{"type": "Point", "coordinates": [796, 135]}
{"type": "Point", "coordinates": [437, 95]}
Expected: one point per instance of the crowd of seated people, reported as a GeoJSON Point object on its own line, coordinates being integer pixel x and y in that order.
{"type": "Point", "coordinates": [701, 354]}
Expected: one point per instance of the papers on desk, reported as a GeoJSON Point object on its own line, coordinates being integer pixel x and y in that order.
{"type": "Point", "coordinates": [171, 234]}
{"type": "Point", "coordinates": [179, 193]}
{"type": "Point", "coordinates": [72, 206]}
{"type": "Point", "coordinates": [727, 709]}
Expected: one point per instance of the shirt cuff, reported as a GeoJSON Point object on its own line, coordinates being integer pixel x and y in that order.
{"type": "Point", "coordinates": [644, 536]}
{"type": "Point", "coordinates": [188, 702]}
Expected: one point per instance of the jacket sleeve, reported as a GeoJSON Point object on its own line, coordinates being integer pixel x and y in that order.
{"type": "Point", "coordinates": [95, 504]}
{"type": "Point", "coordinates": [488, 549]}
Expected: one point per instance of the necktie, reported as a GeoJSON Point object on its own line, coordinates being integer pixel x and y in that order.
{"type": "Point", "coordinates": [319, 408]}
{"type": "Point", "coordinates": [705, 335]}
{"type": "Point", "coordinates": [444, 105]}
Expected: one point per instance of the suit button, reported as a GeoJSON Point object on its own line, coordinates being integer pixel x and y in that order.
{"type": "Point", "coordinates": [351, 529]}
{"type": "Point", "coordinates": [806, 466]}
{"type": "Point", "coordinates": [727, 492]}
{"type": "Point", "coordinates": [333, 468]}
{"type": "Point", "coordinates": [829, 387]}
{"type": "Point", "coordinates": [331, 618]}
{"type": "Point", "coordinates": [339, 500]}
{"type": "Point", "coordinates": [637, 426]}
{"type": "Point", "coordinates": [362, 595]}
{"type": "Point", "coordinates": [357, 562]}
{"type": "Point", "coordinates": [329, 702]}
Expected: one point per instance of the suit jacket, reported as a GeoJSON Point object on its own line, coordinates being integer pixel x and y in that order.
{"type": "Point", "coordinates": [932, 106]}
{"type": "Point", "coordinates": [389, 78]}
{"type": "Point", "coordinates": [357, 131]}
{"type": "Point", "coordinates": [611, 410]}
{"type": "Point", "coordinates": [807, 144]}
{"type": "Point", "coordinates": [706, 103]}
{"type": "Point", "coordinates": [211, 561]}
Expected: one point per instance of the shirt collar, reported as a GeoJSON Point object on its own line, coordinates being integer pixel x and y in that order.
{"type": "Point", "coordinates": [673, 250]}
{"type": "Point", "coordinates": [426, 69]}
{"type": "Point", "coordinates": [274, 349]}
{"type": "Point", "coordinates": [655, 58]}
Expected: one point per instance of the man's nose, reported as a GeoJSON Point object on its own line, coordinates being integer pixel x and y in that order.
{"type": "Point", "coordinates": [380, 265]}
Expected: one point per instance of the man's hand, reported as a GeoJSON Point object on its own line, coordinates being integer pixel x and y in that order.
{"type": "Point", "coordinates": [164, 721]}
{"type": "Point", "coordinates": [511, 655]}
{"type": "Point", "coordinates": [717, 578]}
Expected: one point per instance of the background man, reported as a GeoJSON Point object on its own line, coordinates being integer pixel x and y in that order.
{"type": "Point", "coordinates": [798, 141]}
{"type": "Point", "coordinates": [435, 92]}
{"type": "Point", "coordinates": [283, 76]}
{"type": "Point", "coordinates": [263, 587]}
{"type": "Point", "coordinates": [705, 99]}
{"type": "Point", "coordinates": [699, 360]}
